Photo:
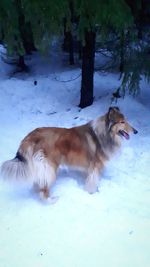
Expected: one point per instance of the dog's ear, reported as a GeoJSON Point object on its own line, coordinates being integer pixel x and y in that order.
{"type": "Point", "coordinates": [113, 109]}
{"type": "Point", "coordinates": [111, 115]}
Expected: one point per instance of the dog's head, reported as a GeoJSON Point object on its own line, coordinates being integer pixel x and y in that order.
{"type": "Point", "coordinates": [117, 123]}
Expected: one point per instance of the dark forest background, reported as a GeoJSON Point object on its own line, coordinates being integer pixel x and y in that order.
{"type": "Point", "coordinates": [118, 29]}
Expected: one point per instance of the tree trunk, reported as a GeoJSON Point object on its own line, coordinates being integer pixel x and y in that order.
{"type": "Point", "coordinates": [88, 55]}
{"type": "Point", "coordinates": [25, 30]}
{"type": "Point", "coordinates": [71, 49]}
{"type": "Point", "coordinates": [68, 44]}
{"type": "Point", "coordinates": [139, 14]}
{"type": "Point", "coordinates": [21, 64]}
{"type": "Point", "coordinates": [79, 50]}
{"type": "Point", "coordinates": [122, 53]}
{"type": "Point", "coordinates": [27, 38]}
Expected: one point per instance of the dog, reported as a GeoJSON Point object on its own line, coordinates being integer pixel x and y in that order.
{"type": "Point", "coordinates": [86, 147]}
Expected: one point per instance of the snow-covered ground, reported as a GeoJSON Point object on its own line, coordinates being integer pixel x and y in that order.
{"type": "Point", "coordinates": [108, 229]}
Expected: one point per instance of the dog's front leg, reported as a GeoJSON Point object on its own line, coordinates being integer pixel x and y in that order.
{"type": "Point", "coordinates": [92, 180]}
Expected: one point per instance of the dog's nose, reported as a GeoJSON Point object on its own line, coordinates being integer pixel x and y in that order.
{"type": "Point", "coordinates": [135, 131]}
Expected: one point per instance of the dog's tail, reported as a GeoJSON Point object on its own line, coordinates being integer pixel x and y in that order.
{"type": "Point", "coordinates": [17, 168]}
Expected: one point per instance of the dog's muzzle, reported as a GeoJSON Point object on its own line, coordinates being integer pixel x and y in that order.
{"type": "Point", "coordinates": [124, 134]}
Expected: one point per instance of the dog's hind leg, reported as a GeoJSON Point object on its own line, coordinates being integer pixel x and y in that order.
{"type": "Point", "coordinates": [45, 176]}
{"type": "Point", "coordinates": [44, 193]}
{"type": "Point", "coordinates": [42, 186]}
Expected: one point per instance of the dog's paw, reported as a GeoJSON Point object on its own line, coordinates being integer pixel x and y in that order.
{"type": "Point", "coordinates": [91, 189]}
{"type": "Point", "coordinates": [52, 200]}
{"type": "Point", "coordinates": [48, 200]}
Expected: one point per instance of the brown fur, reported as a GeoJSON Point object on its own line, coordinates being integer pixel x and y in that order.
{"type": "Point", "coordinates": [85, 147]}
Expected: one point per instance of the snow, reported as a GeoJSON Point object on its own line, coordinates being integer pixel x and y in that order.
{"type": "Point", "coordinates": [110, 228]}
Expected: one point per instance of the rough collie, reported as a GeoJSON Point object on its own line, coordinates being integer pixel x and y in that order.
{"type": "Point", "coordinates": [86, 147]}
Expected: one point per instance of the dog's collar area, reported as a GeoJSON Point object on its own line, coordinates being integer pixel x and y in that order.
{"type": "Point", "coordinates": [94, 136]}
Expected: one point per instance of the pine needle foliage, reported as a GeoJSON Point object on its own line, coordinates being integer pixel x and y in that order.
{"type": "Point", "coordinates": [137, 66]}
{"type": "Point", "coordinates": [103, 15]}
{"type": "Point", "coordinates": [9, 27]}
{"type": "Point", "coordinates": [46, 18]}
{"type": "Point", "coordinates": [119, 20]}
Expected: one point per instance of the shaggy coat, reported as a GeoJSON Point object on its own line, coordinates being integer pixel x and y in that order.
{"type": "Point", "coordinates": [86, 147]}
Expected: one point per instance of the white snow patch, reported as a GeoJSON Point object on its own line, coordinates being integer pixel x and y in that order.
{"type": "Point", "coordinates": [110, 228]}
